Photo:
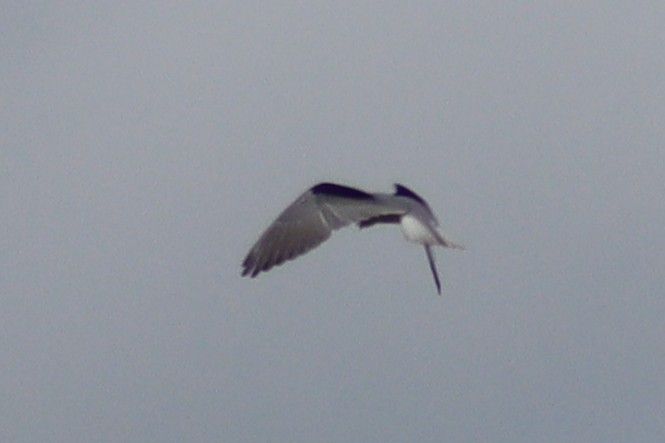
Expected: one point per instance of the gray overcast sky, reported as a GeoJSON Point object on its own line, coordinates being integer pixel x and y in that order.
{"type": "Point", "coordinates": [146, 145]}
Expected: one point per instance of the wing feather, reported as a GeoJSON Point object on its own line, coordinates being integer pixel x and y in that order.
{"type": "Point", "coordinates": [298, 229]}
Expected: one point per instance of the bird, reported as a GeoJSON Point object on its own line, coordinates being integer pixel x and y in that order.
{"type": "Point", "coordinates": [315, 214]}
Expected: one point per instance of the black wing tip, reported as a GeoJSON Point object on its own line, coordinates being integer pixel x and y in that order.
{"type": "Point", "coordinates": [432, 266]}
{"type": "Point", "coordinates": [252, 268]}
{"type": "Point", "coordinates": [333, 189]}
{"type": "Point", "coordinates": [249, 269]}
{"type": "Point", "coordinates": [403, 191]}
{"type": "Point", "coordinates": [252, 271]}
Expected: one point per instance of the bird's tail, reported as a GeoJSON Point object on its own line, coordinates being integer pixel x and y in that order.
{"type": "Point", "coordinates": [443, 241]}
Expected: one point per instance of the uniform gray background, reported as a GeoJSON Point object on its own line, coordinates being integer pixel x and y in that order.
{"type": "Point", "coordinates": [146, 145]}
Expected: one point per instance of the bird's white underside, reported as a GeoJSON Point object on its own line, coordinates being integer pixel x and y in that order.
{"type": "Point", "coordinates": [415, 231]}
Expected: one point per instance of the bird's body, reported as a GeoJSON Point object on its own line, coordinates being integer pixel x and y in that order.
{"type": "Point", "coordinates": [312, 218]}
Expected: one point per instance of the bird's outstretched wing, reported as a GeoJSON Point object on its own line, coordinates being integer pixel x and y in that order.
{"type": "Point", "coordinates": [309, 221]}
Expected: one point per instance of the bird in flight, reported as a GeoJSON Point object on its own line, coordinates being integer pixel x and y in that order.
{"type": "Point", "coordinates": [311, 219]}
